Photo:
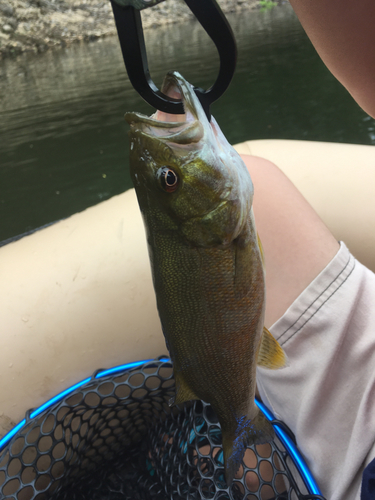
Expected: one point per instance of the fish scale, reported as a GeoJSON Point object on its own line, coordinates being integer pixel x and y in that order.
{"type": "Point", "coordinates": [195, 195]}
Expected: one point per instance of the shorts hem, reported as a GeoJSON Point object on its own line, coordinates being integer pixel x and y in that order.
{"type": "Point", "coordinates": [315, 296]}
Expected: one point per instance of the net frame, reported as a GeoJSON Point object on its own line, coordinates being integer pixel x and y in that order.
{"type": "Point", "coordinates": [113, 436]}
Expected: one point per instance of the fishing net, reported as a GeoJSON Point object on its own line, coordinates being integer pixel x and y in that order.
{"type": "Point", "coordinates": [115, 438]}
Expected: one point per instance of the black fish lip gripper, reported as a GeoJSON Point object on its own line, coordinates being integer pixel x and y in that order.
{"type": "Point", "coordinates": [130, 33]}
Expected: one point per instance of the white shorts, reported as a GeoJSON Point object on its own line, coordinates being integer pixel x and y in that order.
{"type": "Point", "coordinates": [327, 394]}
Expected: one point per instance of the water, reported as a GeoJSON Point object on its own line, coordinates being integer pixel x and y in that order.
{"type": "Point", "coordinates": [63, 139]}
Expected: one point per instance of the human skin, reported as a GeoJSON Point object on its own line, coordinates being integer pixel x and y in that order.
{"type": "Point", "coordinates": [297, 244]}
{"type": "Point", "coordinates": [343, 33]}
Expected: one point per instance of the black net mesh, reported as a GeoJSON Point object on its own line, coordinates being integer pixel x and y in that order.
{"type": "Point", "coordinates": [116, 438]}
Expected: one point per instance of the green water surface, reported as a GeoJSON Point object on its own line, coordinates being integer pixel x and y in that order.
{"type": "Point", "coordinates": [63, 139]}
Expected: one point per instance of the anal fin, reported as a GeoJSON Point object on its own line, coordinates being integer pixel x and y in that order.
{"type": "Point", "coordinates": [183, 393]}
{"type": "Point", "coordinates": [271, 355]}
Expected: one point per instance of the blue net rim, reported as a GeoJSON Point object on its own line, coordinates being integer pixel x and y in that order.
{"type": "Point", "coordinates": [280, 430]}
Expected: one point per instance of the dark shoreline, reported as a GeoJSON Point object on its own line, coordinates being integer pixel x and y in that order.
{"type": "Point", "coordinates": [39, 25]}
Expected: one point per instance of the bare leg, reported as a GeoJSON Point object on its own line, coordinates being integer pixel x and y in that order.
{"type": "Point", "coordinates": [326, 394]}
{"type": "Point", "coordinates": [297, 244]}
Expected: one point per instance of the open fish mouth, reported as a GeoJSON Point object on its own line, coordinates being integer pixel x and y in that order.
{"type": "Point", "coordinates": [180, 129]}
{"type": "Point", "coordinates": [177, 87]}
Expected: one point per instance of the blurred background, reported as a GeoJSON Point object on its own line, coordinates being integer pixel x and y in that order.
{"type": "Point", "coordinates": [63, 138]}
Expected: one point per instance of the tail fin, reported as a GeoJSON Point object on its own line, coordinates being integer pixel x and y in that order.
{"type": "Point", "coordinates": [256, 431]}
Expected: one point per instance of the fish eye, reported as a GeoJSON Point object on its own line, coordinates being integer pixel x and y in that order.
{"type": "Point", "coordinates": [168, 179]}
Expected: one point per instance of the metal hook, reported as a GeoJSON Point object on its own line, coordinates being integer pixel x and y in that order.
{"type": "Point", "coordinates": [130, 33]}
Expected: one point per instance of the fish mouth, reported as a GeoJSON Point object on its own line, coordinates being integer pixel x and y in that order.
{"type": "Point", "coordinates": [184, 128]}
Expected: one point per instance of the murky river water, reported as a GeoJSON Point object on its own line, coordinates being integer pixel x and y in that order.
{"type": "Point", "coordinates": [63, 139]}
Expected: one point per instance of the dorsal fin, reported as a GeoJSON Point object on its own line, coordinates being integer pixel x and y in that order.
{"type": "Point", "coordinates": [261, 251]}
{"type": "Point", "coordinates": [271, 355]}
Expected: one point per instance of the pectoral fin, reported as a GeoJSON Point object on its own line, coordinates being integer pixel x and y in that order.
{"type": "Point", "coordinates": [271, 355]}
{"type": "Point", "coordinates": [183, 393]}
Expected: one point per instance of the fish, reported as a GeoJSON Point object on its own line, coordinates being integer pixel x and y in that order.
{"type": "Point", "coordinates": [195, 195]}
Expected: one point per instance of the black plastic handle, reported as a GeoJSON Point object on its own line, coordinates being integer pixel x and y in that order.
{"type": "Point", "coordinates": [130, 33]}
{"type": "Point", "coordinates": [218, 29]}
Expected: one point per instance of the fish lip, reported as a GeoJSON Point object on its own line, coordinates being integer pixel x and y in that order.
{"type": "Point", "coordinates": [133, 117]}
{"type": "Point", "coordinates": [189, 100]}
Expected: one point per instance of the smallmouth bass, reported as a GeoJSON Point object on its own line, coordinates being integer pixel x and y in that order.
{"type": "Point", "coordinates": [195, 194]}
